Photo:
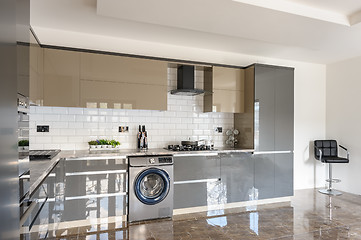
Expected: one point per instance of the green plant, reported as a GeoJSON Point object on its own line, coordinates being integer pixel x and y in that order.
{"type": "Point", "coordinates": [23, 143]}
{"type": "Point", "coordinates": [93, 143]}
{"type": "Point", "coordinates": [114, 143]}
{"type": "Point", "coordinates": [103, 142]}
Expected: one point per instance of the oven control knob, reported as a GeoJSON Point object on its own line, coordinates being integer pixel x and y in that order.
{"type": "Point", "coordinates": [151, 160]}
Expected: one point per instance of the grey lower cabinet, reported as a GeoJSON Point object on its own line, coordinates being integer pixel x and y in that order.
{"type": "Point", "coordinates": [94, 188]}
{"type": "Point", "coordinates": [83, 189]}
{"type": "Point", "coordinates": [264, 175]}
{"type": "Point", "coordinates": [283, 174]}
{"type": "Point", "coordinates": [196, 181]}
{"type": "Point", "coordinates": [273, 175]}
{"type": "Point", "coordinates": [231, 178]}
{"type": "Point", "coordinates": [237, 176]}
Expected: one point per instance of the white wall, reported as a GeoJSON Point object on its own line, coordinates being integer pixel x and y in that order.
{"type": "Point", "coordinates": [343, 119]}
{"type": "Point", "coordinates": [310, 93]}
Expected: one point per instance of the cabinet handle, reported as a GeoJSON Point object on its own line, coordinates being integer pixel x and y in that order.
{"type": "Point", "coordinates": [198, 181]}
{"type": "Point", "coordinates": [271, 152]}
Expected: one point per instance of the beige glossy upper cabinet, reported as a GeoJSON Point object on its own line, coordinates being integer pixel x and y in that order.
{"type": "Point", "coordinates": [36, 73]}
{"type": "Point", "coordinates": [61, 78]}
{"type": "Point", "coordinates": [227, 85]}
{"type": "Point", "coordinates": [122, 82]}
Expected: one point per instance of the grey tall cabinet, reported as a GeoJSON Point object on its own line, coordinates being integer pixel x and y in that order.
{"type": "Point", "coordinates": [273, 130]}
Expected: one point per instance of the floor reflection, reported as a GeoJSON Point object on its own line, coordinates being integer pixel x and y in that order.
{"type": "Point", "coordinates": [305, 217]}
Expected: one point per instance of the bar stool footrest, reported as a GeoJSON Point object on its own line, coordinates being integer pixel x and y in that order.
{"type": "Point", "coordinates": [333, 180]}
{"type": "Point", "coordinates": [330, 192]}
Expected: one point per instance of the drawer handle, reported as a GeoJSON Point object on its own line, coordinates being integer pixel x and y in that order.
{"type": "Point", "coordinates": [198, 181]}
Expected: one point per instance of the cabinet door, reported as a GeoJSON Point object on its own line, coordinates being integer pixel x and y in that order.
{"type": "Point", "coordinates": [237, 174]}
{"type": "Point", "coordinates": [196, 168]}
{"type": "Point", "coordinates": [284, 102]}
{"type": "Point", "coordinates": [265, 79]}
{"type": "Point", "coordinates": [228, 101]}
{"type": "Point", "coordinates": [264, 175]}
{"type": "Point", "coordinates": [228, 90]}
{"type": "Point", "coordinates": [196, 181]}
{"type": "Point", "coordinates": [61, 78]}
{"type": "Point", "coordinates": [190, 195]}
{"type": "Point", "coordinates": [283, 174]}
{"type": "Point", "coordinates": [101, 67]}
{"type": "Point", "coordinates": [228, 79]}
{"type": "Point", "coordinates": [122, 95]}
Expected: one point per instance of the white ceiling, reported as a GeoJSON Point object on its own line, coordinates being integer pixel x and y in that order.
{"type": "Point", "coordinates": [324, 31]}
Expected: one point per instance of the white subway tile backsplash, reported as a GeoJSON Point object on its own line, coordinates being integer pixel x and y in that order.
{"type": "Point", "coordinates": [51, 117]}
{"type": "Point", "coordinates": [67, 146]}
{"type": "Point", "coordinates": [67, 132]}
{"type": "Point", "coordinates": [36, 146]}
{"type": "Point", "coordinates": [92, 125]}
{"type": "Point", "coordinates": [67, 118]}
{"type": "Point", "coordinates": [75, 139]}
{"type": "Point", "coordinates": [76, 125]}
{"type": "Point", "coordinates": [51, 146]}
{"type": "Point", "coordinates": [61, 140]}
{"type": "Point", "coordinates": [91, 111]}
{"type": "Point", "coordinates": [60, 125]}
{"type": "Point", "coordinates": [60, 110]}
{"type": "Point", "coordinates": [43, 139]}
{"type": "Point", "coordinates": [76, 111]}
{"type": "Point", "coordinates": [44, 110]}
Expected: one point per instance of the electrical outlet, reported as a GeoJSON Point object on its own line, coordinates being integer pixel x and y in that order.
{"type": "Point", "coordinates": [123, 129]}
{"type": "Point", "coordinates": [42, 128]}
{"type": "Point", "coordinates": [218, 129]}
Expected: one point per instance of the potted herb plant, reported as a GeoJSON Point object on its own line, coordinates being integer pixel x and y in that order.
{"type": "Point", "coordinates": [93, 144]}
{"type": "Point", "coordinates": [23, 145]}
{"type": "Point", "coordinates": [114, 143]}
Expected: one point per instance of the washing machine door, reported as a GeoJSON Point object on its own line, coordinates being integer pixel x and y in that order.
{"type": "Point", "coordinates": [152, 186]}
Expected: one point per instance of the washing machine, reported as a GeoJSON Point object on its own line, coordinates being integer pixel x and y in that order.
{"type": "Point", "coordinates": [150, 187]}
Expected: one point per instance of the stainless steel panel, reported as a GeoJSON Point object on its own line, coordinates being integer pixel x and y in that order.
{"type": "Point", "coordinates": [9, 208]}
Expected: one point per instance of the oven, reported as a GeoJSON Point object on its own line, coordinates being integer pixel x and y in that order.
{"type": "Point", "coordinates": [23, 147]}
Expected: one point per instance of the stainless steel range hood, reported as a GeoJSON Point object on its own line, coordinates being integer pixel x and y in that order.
{"type": "Point", "coordinates": [185, 82]}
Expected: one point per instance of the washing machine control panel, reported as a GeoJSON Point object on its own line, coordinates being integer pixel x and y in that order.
{"type": "Point", "coordinates": [165, 160]}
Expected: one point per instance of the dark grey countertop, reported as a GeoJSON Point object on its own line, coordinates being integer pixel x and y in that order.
{"type": "Point", "coordinates": [39, 169]}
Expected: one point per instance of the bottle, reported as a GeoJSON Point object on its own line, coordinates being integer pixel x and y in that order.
{"type": "Point", "coordinates": [144, 139]}
{"type": "Point", "coordinates": [139, 136]}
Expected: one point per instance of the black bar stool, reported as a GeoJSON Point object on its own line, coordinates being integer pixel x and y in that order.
{"type": "Point", "coordinates": [326, 151]}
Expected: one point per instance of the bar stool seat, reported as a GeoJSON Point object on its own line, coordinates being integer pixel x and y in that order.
{"type": "Point", "coordinates": [326, 151]}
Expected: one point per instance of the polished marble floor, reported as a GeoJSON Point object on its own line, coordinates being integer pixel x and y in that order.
{"type": "Point", "coordinates": [305, 217]}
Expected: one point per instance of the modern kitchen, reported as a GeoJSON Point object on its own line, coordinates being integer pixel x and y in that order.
{"type": "Point", "coordinates": [119, 125]}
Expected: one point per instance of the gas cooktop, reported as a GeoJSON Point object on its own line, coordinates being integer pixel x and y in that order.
{"type": "Point", "coordinates": [189, 148]}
